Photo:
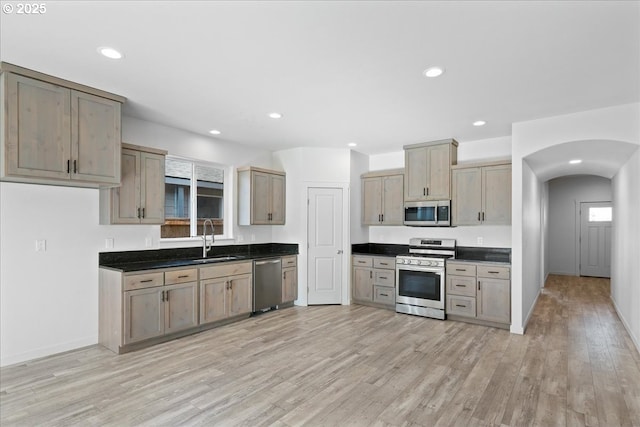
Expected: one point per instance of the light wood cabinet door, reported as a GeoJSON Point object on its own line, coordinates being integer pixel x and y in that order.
{"type": "Point", "coordinates": [496, 195]}
{"type": "Point", "coordinates": [439, 172]}
{"type": "Point", "coordinates": [393, 200]}
{"type": "Point", "coordinates": [95, 138]}
{"type": "Point", "coordinates": [277, 208]}
{"type": "Point", "coordinates": [371, 201]}
{"type": "Point", "coordinates": [467, 196]}
{"type": "Point", "coordinates": [289, 284]}
{"type": "Point", "coordinates": [143, 314]}
{"type": "Point", "coordinates": [125, 200]}
{"type": "Point", "coordinates": [38, 128]}
{"type": "Point", "coordinates": [494, 300]}
{"type": "Point", "coordinates": [240, 295]}
{"type": "Point", "coordinates": [415, 185]}
{"type": "Point", "coordinates": [181, 307]}
{"type": "Point", "coordinates": [362, 283]}
{"type": "Point", "coordinates": [260, 198]}
{"type": "Point", "coordinates": [213, 299]}
{"type": "Point", "coordinates": [152, 170]}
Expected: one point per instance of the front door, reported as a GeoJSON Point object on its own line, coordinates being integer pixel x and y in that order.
{"type": "Point", "coordinates": [595, 239]}
{"type": "Point", "coordinates": [325, 230]}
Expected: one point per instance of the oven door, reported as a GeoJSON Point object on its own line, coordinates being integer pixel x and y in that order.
{"type": "Point", "coordinates": [420, 286]}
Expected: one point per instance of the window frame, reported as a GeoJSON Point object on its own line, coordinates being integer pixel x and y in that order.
{"type": "Point", "coordinates": [227, 198]}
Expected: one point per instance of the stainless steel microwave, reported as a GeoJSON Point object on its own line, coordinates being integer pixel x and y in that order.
{"type": "Point", "coordinates": [428, 214]}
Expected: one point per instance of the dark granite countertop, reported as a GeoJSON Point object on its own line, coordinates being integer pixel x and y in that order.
{"type": "Point", "coordinates": [483, 254]}
{"type": "Point", "coordinates": [382, 249]}
{"type": "Point", "coordinates": [128, 261]}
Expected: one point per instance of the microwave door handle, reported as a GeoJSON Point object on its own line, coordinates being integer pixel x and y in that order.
{"type": "Point", "coordinates": [436, 212]}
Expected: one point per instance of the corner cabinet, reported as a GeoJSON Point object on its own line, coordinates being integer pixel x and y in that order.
{"type": "Point", "coordinates": [58, 132]}
{"type": "Point", "coordinates": [382, 197]}
{"type": "Point", "coordinates": [479, 293]}
{"type": "Point", "coordinates": [481, 194]}
{"type": "Point", "coordinates": [428, 170]}
{"type": "Point", "coordinates": [261, 196]}
{"type": "Point", "coordinates": [140, 197]}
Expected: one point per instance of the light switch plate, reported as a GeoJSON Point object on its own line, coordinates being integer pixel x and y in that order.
{"type": "Point", "coordinates": [41, 245]}
{"type": "Point", "coordinates": [148, 242]}
{"type": "Point", "coordinates": [480, 241]}
{"type": "Point", "coordinates": [109, 242]}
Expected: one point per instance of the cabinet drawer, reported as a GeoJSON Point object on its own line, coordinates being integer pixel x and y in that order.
{"type": "Point", "coordinates": [384, 295]}
{"type": "Point", "coordinates": [461, 269]}
{"type": "Point", "coordinates": [227, 269]}
{"type": "Point", "coordinates": [145, 280]}
{"type": "Point", "coordinates": [389, 263]}
{"type": "Point", "coordinates": [180, 276]}
{"type": "Point", "coordinates": [460, 305]}
{"type": "Point", "coordinates": [361, 261]}
{"type": "Point", "coordinates": [289, 261]}
{"type": "Point", "coordinates": [384, 277]}
{"type": "Point", "coordinates": [494, 272]}
{"type": "Point", "coordinates": [461, 285]}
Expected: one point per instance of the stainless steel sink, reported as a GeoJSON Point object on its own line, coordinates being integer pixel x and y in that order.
{"type": "Point", "coordinates": [216, 259]}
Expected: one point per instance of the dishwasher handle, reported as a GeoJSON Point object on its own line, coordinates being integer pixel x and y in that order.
{"type": "Point", "coordinates": [268, 261]}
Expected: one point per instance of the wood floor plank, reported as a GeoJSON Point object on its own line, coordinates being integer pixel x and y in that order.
{"type": "Point", "coordinates": [352, 366]}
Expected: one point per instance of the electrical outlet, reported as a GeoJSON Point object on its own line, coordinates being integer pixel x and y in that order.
{"type": "Point", "coordinates": [109, 242]}
{"type": "Point", "coordinates": [148, 242]}
{"type": "Point", "coordinates": [41, 245]}
{"type": "Point", "coordinates": [480, 241]}
{"type": "Point", "coordinates": [240, 238]}
{"type": "Point", "coordinates": [253, 237]}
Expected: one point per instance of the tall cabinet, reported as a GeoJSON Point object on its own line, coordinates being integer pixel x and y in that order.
{"type": "Point", "coordinates": [58, 132]}
{"type": "Point", "coordinates": [428, 170]}
{"type": "Point", "coordinates": [140, 197]}
{"type": "Point", "coordinates": [261, 196]}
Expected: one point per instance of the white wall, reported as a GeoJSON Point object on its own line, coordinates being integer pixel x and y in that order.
{"type": "Point", "coordinates": [49, 300]}
{"type": "Point", "coordinates": [565, 195]}
{"type": "Point", "coordinates": [625, 251]}
{"type": "Point", "coordinates": [619, 123]}
{"type": "Point", "coordinates": [474, 151]}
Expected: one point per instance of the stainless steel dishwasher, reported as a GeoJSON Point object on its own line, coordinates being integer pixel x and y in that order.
{"type": "Point", "coordinates": [267, 284]}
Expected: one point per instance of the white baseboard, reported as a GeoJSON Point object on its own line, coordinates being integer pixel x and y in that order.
{"type": "Point", "coordinates": [634, 339]}
{"type": "Point", "coordinates": [26, 356]}
{"type": "Point", "coordinates": [533, 307]}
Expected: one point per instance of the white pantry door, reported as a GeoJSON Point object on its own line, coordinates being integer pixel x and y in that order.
{"type": "Point", "coordinates": [595, 239]}
{"type": "Point", "coordinates": [325, 230]}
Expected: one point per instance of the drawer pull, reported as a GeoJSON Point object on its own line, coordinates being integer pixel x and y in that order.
{"type": "Point", "coordinates": [460, 305]}
{"type": "Point", "coordinates": [384, 295]}
{"type": "Point", "coordinates": [384, 263]}
{"type": "Point", "coordinates": [461, 286]}
{"type": "Point", "coordinates": [184, 276]}
{"type": "Point", "coordinates": [362, 262]}
{"type": "Point", "coordinates": [384, 277]}
{"type": "Point", "coordinates": [493, 272]}
{"type": "Point", "coordinates": [146, 281]}
{"type": "Point", "coordinates": [461, 269]}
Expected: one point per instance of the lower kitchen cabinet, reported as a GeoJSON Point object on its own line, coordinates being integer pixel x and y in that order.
{"type": "Point", "coordinates": [373, 280]}
{"type": "Point", "coordinates": [225, 291]}
{"type": "Point", "coordinates": [289, 279]}
{"type": "Point", "coordinates": [143, 314]}
{"type": "Point", "coordinates": [479, 292]}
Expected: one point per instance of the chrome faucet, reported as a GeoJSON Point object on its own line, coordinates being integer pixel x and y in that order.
{"type": "Point", "coordinates": [206, 248]}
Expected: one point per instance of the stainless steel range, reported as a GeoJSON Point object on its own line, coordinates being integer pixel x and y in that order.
{"type": "Point", "coordinates": [420, 277]}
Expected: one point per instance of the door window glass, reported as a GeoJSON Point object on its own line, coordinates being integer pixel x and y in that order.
{"type": "Point", "coordinates": [601, 214]}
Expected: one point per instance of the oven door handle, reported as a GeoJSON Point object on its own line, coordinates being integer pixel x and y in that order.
{"type": "Point", "coordinates": [423, 269]}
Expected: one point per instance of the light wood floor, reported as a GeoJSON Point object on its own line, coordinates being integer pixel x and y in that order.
{"type": "Point", "coordinates": [356, 366]}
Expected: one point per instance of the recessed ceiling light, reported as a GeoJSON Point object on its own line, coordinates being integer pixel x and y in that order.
{"type": "Point", "coordinates": [215, 132]}
{"type": "Point", "coordinates": [479, 123]}
{"type": "Point", "coordinates": [433, 71]}
{"type": "Point", "coordinates": [575, 161]}
{"type": "Point", "coordinates": [352, 144]}
{"type": "Point", "coordinates": [275, 115]}
{"type": "Point", "coordinates": [110, 52]}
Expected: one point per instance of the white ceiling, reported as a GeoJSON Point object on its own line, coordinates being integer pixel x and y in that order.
{"type": "Point", "coordinates": [339, 71]}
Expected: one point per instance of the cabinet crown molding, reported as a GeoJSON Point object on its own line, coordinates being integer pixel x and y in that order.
{"type": "Point", "coordinates": [384, 172]}
{"type": "Point", "coordinates": [426, 144]}
{"type": "Point", "coordinates": [258, 169]}
{"type": "Point", "coordinates": [145, 149]}
{"type": "Point", "coordinates": [477, 164]}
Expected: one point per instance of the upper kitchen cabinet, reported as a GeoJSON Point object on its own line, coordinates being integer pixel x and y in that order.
{"type": "Point", "coordinates": [481, 194]}
{"type": "Point", "coordinates": [428, 170]}
{"type": "Point", "coordinates": [58, 132]}
{"type": "Point", "coordinates": [382, 201]}
{"type": "Point", "coordinates": [140, 197]}
{"type": "Point", "coordinates": [261, 196]}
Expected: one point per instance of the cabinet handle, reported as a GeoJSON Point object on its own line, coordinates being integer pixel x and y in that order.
{"type": "Point", "coordinates": [142, 212]}
{"type": "Point", "coordinates": [427, 191]}
{"type": "Point", "coordinates": [138, 213]}
{"type": "Point", "coordinates": [461, 269]}
{"type": "Point", "coordinates": [478, 216]}
{"type": "Point", "coordinates": [483, 216]}
{"type": "Point", "coordinates": [384, 295]}
{"type": "Point", "coordinates": [461, 286]}
{"type": "Point", "coordinates": [146, 281]}
{"type": "Point", "coordinates": [162, 296]}
{"type": "Point", "coordinates": [75, 166]}
{"type": "Point", "coordinates": [384, 263]}
{"type": "Point", "coordinates": [424, 191]}
{"type": "Point", "coordinates": [183, 276]}
{"type": "Point", "coordinates": [382, 218]}
{"type": "Point", "coordinates": [493, 272]}
{"type": "Point", "coordinates": [460, 305]}
{"type": "Point", "coordinates": [68, 166]}
{"type": "Point", "coordinates": [361, 262]}
{"type": "Point", "coordinates": [284, 275]}
{"type": "Point", "coordinates": [166, 295]}
{"type": "Point", "coordinates": [478, 284]}
{"type": "Point", "coordinates": [230, 285]}
{"type": "Point", "coordinates": [384, 277]}
{"type": "Point", "coordinates": [370, 274]}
